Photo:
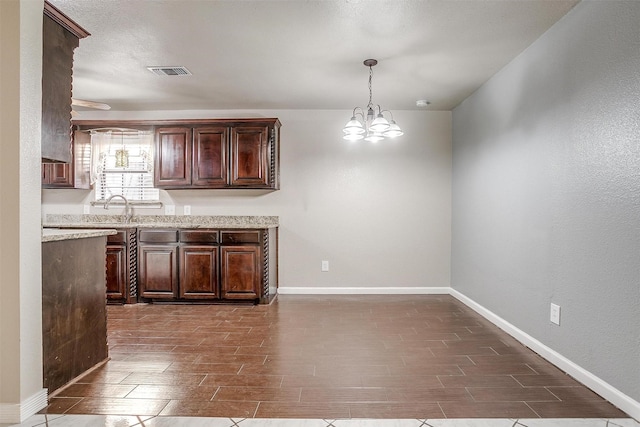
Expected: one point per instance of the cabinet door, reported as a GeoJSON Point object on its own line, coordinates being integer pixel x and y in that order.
{"type": "Point", "coordinates": [61, 175]}
{"type": "Point", "coordinates": [158, 276]}
{"type": "Point", "coordinates": [57, 175]}
{"type": "Point", "coordinates": [198, 272]}
{"type": "Point", "coordinates": [173, 157]}
{"type": "Point", "coordinates": [210, 157]}
{"type": "Point", "coordinates": [250, 156]}
{"type": "Point", "coordinates": [116, 272]}
{"type": "Point", "coordinates": [241, 272]}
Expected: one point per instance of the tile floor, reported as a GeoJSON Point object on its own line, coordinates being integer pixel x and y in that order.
{"type": "Point", "coordinates": [343, 358]}
{"type": "Point", "coordinates": [131, 421]}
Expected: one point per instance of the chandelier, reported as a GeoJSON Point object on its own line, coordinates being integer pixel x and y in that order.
{"type": "Point", "coordinates": [372, 127]}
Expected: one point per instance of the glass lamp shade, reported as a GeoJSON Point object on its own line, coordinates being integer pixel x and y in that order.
{"type": "Point", "coordinates": [353, 127]}
{"type": "Point", "coordinates": [393, 131]}
{"type": "Point", "coordinates": [374, 137]}
{"type": "Point", "coordinates": [380, 124]}
{"type": "Point", "coordinates": [353, 136]}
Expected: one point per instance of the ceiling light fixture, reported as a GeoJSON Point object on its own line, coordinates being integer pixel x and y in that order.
{"type": "Point", "coordinates": [372, 127]}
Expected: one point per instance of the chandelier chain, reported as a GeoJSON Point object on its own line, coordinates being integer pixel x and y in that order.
{"type": "Point", "coordinates": [370, 90]}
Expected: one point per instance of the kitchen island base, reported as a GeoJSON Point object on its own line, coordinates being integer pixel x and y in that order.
{"type": "Point", "coordinates": [74, 317]}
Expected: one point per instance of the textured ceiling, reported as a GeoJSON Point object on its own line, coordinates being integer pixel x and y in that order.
{"type": "Point", "coordinates": [298, 54]}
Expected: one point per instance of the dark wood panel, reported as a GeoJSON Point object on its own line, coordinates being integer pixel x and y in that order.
{"type": "Point", "coordinates": [199, 236]}
{"type": "Point", "coordinates": [249, 156]}
{"type": "Point", "coordinates": [241, 272]}
{"type": "Point", "coordinates": [57, 175]}
{"type": "Point", "coordinates": [210, 157]}
{"type": "Point", "coordinates": [158, 236]}
{"type": "Point", "coordinates": [57, 64]}
{"type": "Point", "coordinates": [74, 320]}
{"type": "Point", "coordinates": [119, 237]}
{"type": "Point", "coordinates": [61, 174]}
{"type": "Point", "coordinates": [117, 272]}
{"type": "Point", "coordinates": [158, 276]}
{"type": "Point", "coordinates": [173, 157]}
{"type": "Point", "coordinates": [240, 237]}
{"type": "Point", "coordinates": [198, 272]}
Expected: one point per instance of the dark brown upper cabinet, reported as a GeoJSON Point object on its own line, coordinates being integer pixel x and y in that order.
{"type": "Point", "coordinates": [250, 156]}
{"type": "Point", "coordinates": [210, 153]}
{"type": "Point", "coordinates": [173, 157]}
{"type": "Point", "coordinates": [210, 157]}
{"type": "Point", "coordinates": [218, 154]}
{"type": "Point", "coordinates": [60, 37]}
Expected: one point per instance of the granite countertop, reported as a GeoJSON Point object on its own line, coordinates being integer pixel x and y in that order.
{"type": "Point", "coordinates": [54, 234]}
{"type": "Point", "coordinates": [161, 221]}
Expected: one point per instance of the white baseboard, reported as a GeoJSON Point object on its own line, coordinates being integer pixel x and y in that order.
{"type": "Point", "coordinates": [15, 413]}
{"type": "Point", "coordinates": [291, 290]}
{"type": "Point", "coordinates": [604, 389]}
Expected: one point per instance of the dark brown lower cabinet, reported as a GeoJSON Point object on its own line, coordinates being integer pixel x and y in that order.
{"type": "Point", "coordinates": [241, 272]}
{"type": "Point", "coordinates": [158, 271]}
{"type": "Point", "coordinates": [199, 272]}
{"type": "Point", "coordinates": [204, 265]}
{"type": "Point", "coordinates": [122, 267]}
{"type": "Point", "coordinates": [241, 264]}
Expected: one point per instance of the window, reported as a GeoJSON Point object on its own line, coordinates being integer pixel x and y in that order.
{"type": "Point", "coordinates": [122, 163]}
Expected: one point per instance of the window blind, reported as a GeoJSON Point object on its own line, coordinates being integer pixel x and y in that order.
{"type": "Point", "coordinates": [122, 163]}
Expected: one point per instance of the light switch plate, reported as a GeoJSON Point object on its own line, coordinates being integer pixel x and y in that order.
{"type": "Point", "coordinates": [186, 210]}
{"type": "Point", "coordinates": [169, 209]}
{"type": "Point", "coordinates": [554, 315]}
{"type": "Point", "coordinates": [86, 209]}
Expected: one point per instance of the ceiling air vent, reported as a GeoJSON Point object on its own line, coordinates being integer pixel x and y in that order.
{"type": "Point", "coordinates": [169, 71]}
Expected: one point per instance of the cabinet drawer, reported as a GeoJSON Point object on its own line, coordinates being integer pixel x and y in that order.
{"type": "Point", "coordinates": [240, 237]}
{"type": "Point", "coordinates": [121, 237]}
{"type": "Point", "coordinates": [158, 236]}
{"type": "Point", "coordinates": [198, 236]}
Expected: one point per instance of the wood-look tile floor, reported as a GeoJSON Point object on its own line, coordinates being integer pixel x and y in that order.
{"type": "Point", "coordinates": [338, 357]}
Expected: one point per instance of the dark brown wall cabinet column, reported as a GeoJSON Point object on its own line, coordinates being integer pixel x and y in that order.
{"type": "Point", "coordinates": [60, 37]}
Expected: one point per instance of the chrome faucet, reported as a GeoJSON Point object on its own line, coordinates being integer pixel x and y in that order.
{"type": "Point", "coordinates": [128, 209]}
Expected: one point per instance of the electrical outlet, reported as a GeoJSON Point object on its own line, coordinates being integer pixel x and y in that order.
{"type": "Point", "coordinates": [186, 210]}
{"type": "Point", "coordinates": [169, 209]}
{"type": "Point", "coordinates": [325, 266]}
{"type": "Point", "coordinates": [86, 209]}
{"type": "Point", "coordinates": [555, 314]}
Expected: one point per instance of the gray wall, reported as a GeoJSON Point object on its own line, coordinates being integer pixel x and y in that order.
{"type": "Point", "coordinates": [379, 213]}
{"type": "Point", "coordinates": [546, 191]}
